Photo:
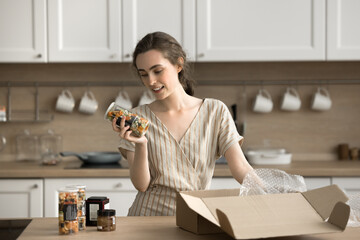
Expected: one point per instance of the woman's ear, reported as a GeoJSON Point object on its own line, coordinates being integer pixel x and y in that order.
{"type": "Point", "coordinates": [180, 64]}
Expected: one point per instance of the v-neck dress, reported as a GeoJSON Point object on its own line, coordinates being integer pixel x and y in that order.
{"type": "Point", "coordinates": [185, 165]}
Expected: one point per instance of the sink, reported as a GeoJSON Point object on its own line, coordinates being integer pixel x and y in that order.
{"type": "Point", "coordinates": [12, 228]}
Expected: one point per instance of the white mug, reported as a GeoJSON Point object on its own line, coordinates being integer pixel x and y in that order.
{"type": "Point", "coordinates": [291, 100]}
{"type": "Point", "coordinates": [321, 100]}
{"type": "Point", "coordinates": [123, 100]}
{"type": "Point", "coordinates": [88, 103]}
{"type": "Point", "coordinates": [65, 101]}
{"type": "Point", "coordinates": [263, 102]}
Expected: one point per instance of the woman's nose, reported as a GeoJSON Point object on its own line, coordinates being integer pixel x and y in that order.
{"type": "Point", "coordinates": [152, 79]}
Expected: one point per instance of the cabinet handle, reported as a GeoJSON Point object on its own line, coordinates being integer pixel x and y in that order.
{"type": "Point", "coordinates": [119, 185]}
{"type": "Point", "coordinates": [201, 55]}
{"type": "Point", "coordinates": [35, 186]}
{"type": "Point", "coordinates": [39, 55]}
{"type": "Point", "coordinates": [113, 55]}
{"type": "Point", "coordinates": [127, 55]}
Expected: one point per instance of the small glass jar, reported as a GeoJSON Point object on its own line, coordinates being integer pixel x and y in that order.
{"type": "Point", "coordinates": [68, 199]}
{"type": "Point", "coordinates": [106, 220]}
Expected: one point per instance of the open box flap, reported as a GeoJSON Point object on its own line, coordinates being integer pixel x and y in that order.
{"type": "Point", "coordinates": [262, 216]}
{"type": "Point", "coordinates": [324, 199]}
{"type": "Point", "coordinates": [197, 205]}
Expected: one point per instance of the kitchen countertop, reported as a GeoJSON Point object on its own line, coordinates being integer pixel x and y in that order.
{"type": "Point", "coordinates": [13, 169]}
{"type": "Point", "coordinates": [150, 228]}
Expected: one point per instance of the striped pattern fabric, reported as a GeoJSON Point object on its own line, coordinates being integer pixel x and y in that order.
{"type": "Point", "coordinates": [185, 165]}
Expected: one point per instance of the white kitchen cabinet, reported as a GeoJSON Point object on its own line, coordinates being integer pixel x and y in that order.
{"type": "Point", "coordinates": [224, 183]}
{"type": "Point", "coordinates": [84, 30]}
{"type": "Point", "coordinates": [144, 16]}
{"type": "Point", "coordinates": [317, 182]}
{"type": "Point", "coordinates": [120, 192]}
{"type": "Point", "coordinates": [23, 31]}
{"type": "Point", "coordinates": [21, 198]}
{"type": "Point", "coordinates": [260, 30]}
{"type": "Point", "coordinates": [343, 31]}
{"type": "Point", "coordinates": [351, 185]}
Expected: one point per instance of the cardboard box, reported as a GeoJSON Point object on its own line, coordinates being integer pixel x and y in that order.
{"type": "Point", "coordinates": [262, 216]}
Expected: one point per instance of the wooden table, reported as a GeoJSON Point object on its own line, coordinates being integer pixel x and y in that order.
{"type": "Point", "coordinates": [156, 228]}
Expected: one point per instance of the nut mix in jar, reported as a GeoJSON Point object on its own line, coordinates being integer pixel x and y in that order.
{"type": "Point", "coordinates": [81, 210]}
{"type": "Point", "coordinates": [68, 199]}
{"type": "Point", "coordinates": [106, 220]}
{"type": "Point", "coordinates": [138, 125]}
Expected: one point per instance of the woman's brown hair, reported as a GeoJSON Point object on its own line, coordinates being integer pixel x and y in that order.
{"type": "Point", "coordinates": [172, 51]}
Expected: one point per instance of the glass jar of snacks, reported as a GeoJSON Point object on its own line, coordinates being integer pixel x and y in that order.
{"type": "Point", "coordinates": [106, 220]}
{"type": "Point", "coordinates": [81, 210]}
{"type": "Point", "coordinates": [68, 199]}
{"type": "Point", "coordinates": [138, 125]}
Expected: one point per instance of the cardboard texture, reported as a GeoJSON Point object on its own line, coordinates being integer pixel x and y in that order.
{"type": "Point", "coordinates": [262, 216]}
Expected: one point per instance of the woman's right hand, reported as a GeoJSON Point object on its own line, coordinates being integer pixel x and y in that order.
{"type": "Point", "coordinates": [125, 132]}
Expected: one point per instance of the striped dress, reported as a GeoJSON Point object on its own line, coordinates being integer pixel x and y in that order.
{"type": "Point", "coordinates": [185, 165]}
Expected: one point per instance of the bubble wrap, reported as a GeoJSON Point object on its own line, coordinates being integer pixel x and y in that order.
{"type": "Point", "coordinates": [272, 181]}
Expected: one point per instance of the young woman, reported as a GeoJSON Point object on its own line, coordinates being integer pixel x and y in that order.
{"type": "Point", "coordinates": [186, 135]}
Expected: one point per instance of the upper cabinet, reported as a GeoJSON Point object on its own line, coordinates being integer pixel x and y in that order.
{"type": "Point", "coordinates": [343, 35]}
{"type": "Point", "coordinates": [209, 30]}
{"type": "Point", "coordinates": [262, 30]}
{"type": "Point", "coordinates": [84, 31]}
{"type": "Point", "coordinates": [23, 31]}
{"type": "Point", "coordinates": [176, 17]}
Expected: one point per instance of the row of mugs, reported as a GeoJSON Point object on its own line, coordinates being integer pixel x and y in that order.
{"type": "Point", "coordinates": [88, 104]}
{"type": "Point", "coordinates": [66, 102]}
{"type": "Point", "coordinates": [291, 101]}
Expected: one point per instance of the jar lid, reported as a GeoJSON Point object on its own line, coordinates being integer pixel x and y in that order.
{"type": "Point", "coordinates": [68, 189]}
{"type": "Point", "coordinates": [106, 212]}
{"type": "Point", "coordinates": [78, 186]}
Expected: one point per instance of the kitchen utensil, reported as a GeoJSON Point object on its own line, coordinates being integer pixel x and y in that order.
{"type": "Point", "coordinates": [65, 101]}
{"type": "Point", "coordinates": [242, 115]}
{"type": "Point", "coordinates": [123, 100]}
{"type": "Point", "coordinates": [27, 146]}
{"type": "Point", "coordinates": [88, 103]}
{"type": "Point", "coordinates": [95, 157]}
{"type": "Point", "coordinates": [2, 142]}
{"type": "Point", "coordinates": [234, 111]}
{"type": "Point", "coordinates": [268, 156]}
{"type": "Point", "coordinates": [321, 100]}
{"type": "Point", "coordinates": [263, 102]}
{"type": "Point", "coordinates": [291, 100]}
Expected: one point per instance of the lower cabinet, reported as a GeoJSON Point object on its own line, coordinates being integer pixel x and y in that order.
{"type": "Point", "coordinates": [120, 192]}
{"type": "Point", "coordinates": [351, 185]}
{"type": "Point", "coordinates": [21, 198]}
{"type": "Point", "coordinates": [317, 182]}
{"type": "Point", "coordinates": [224, 183]}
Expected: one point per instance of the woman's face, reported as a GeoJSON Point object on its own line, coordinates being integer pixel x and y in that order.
{"type": "Point", "coordinates": [157, 73]}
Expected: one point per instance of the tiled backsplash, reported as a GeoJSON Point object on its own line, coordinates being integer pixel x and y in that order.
{"type": "Point", "coordinates": [309, 135]}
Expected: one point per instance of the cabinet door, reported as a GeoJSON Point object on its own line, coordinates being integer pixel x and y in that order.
{"type": "Point", "coordinates": [224, 183]}
{"type": "Point", "coordinates": [343, 35]}
{"type": "Point", "coordinates": [317, 182]}
{"type": "Point", "coordinates": [351, 185]}
{"type": "Point", "coordinates": [120, 191]}
{"type": "Point", "coordinates": [84, 30]}
{"type": "Point", "coordinates": [21, 198]}
{"type": "Point", "coordinates": [260, 30]}
{"type": "Point", "coordinates": [176, 17]}
{"type": "Point", "coordinates": [23, 31]}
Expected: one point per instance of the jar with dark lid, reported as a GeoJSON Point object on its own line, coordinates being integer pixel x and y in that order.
{"type": "Point", "coordinates": [106, 220]}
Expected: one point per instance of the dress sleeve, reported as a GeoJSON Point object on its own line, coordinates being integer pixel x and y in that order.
{"type": "Point", "coordinates": [228, 134]}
